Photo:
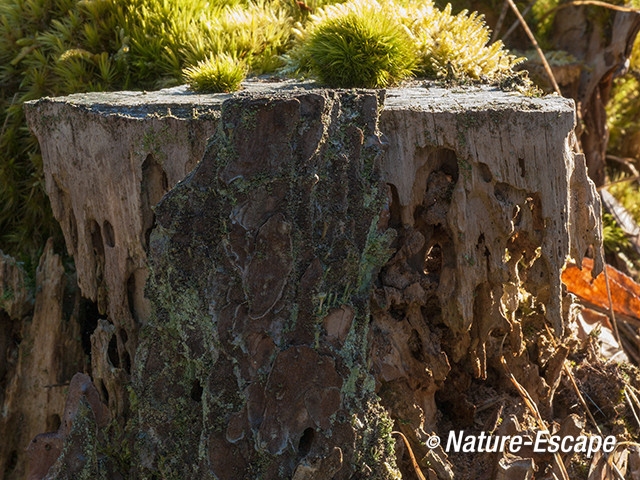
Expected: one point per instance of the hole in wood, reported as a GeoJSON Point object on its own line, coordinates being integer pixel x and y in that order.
{"type": "Point", "coordinates": [304, 446]}
{"type": "Point", "coordinates": [109, 235]}
{"type": "Point", "coordinates": [112, 352]}
{"type": "Point", "coordinates": [196, 391]}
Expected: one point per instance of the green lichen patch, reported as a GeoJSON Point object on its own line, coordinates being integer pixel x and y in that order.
{"type": "Point", "coordinates": [81, 458]}
{"type": "Point", "coordinates": [274, 230]}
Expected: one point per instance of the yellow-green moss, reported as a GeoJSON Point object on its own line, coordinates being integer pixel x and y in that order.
{"type": "Point", "coordinates": [445, 46]}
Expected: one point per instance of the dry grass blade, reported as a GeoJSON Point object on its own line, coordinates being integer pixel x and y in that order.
{"type": "Point", "coordinates": [631, 341]}
{"type": "Point", "coordinates": [628, 162]}
{"type": "Point", "coordinates": [627, 444]}
{"type": "Point", "coordinates": [597, 3]}
{"type": "Point", "coordinates": [515, 24]}
{"type": "Point", "coordinates": [572, 379]}
{"type": "Point", "coordinates": [580, 397]}
{"type": "Point", "coordinates": [536, 46]}
{"type": "Point", "coordinates": [622, 180]}
{"type": "Point", "coordinates": [613, 466]}
{"type": "Point", "coordinates": [536, 413]}
{"type": "Point", "coordinates": [413, 458]}
{"type": "Point", "coordinates": [629, 395]}
{"type": "Point", "coordinates": [611, 312]}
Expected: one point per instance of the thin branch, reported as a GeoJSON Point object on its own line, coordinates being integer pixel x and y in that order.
{"type": "Point", "coordinates": [628, 395]}
{"type": "Point", "coordinates": [529, 402]}
{"type": "Point", "coordinates": [536, 46]}
{"type": "Point", "coordinates": [514, 25]}
{"type": "Point", "coordinates": [626, 161]}
{"type": "Point", "coordinates": [597, 3]}
{"type": "Point", "coordinates": [622, 180]}
{"type": "Point", "coordinates": [572, 379]}
{"type": "Point", "coordinates": [413, 458]}
{"type": "Point", "coordinates": [503, 13]}
{"type": "Point", "coordinates": [613, 315]}
{"type": "Point", "coordinates": [629, 338]}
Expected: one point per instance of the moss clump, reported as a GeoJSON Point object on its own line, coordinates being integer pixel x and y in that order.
{"type": "Point", "coordinates": [216, 74]}
{"type": "Point", "coordinates": [362, 48]}
{"type": "Point", "coordinates": [454, 46]}
{"type": "Point", "coordinates": [442, 45]}
{"type": "Point", "coordinates": [376, 450]}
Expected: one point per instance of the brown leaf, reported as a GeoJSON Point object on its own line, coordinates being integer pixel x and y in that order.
{"type": "Point", "coordinates": [625, 293]}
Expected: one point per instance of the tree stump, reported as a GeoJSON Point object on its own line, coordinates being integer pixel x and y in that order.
{"type": "Point", "coordinates": [334, 260]}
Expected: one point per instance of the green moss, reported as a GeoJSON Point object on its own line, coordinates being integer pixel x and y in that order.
{"type": "Point", "coordinates": [216, 74]}
{"type": "Point", "coordinates": [360, 49]}
{"type": "Point", "coordinates": [444, 46]}
{"type": "Point", "coordinates": [117, 447]}
{"type": "Point", "coordinates": [68, 46]}
{"type": "Point", "coordinates": [376, 253]}
{"type": "Point", "coordinates": [7, 295]}
{"type": "Point", "coordinates": [465, 167]}
{"type": "Point", "coordinates": [614, 239]}
{"type": "Point", "coordinates": [154, 140]}
{"type": "Point", "coordinates": [85, 464]}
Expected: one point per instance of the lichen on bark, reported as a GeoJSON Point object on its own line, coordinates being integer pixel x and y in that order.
{"type": "Point", "coordinates": [255, 355]}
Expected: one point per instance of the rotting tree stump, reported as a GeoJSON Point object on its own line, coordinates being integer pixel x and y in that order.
{"type": "Point", "coordinates": [334, 260]}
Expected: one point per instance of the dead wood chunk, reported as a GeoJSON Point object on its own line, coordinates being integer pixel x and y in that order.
{"type": "Point", "coordinates": [515, 468]}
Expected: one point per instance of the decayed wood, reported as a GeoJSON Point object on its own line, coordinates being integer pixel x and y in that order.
{"type": "Point", "coordinates": [47, 352]}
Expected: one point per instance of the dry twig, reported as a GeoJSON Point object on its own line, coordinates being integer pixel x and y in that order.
{"type": "Point", "coordinates": [536, 46]}
{"type": "Point", "coordinates": [629, 395]}
{"type": "Point", "coordinates": [613, 315]}
{"type": "Point", "coordinates": [413, 458]}
{"type": "Point", "coordinates": [572, 379]}
{"type": "Point", "coordinates": [514, 25]}
{"type": "Point", "coordinates": [622, 180]}
{"type": "Point", "coordinates": [503, 13]}
{"type": "Point", "coordinates": [626, 161]}
{"type": "Point", "coordinates": [597, 3]}
{"type": "Point", "coordinates": [536, 413]}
